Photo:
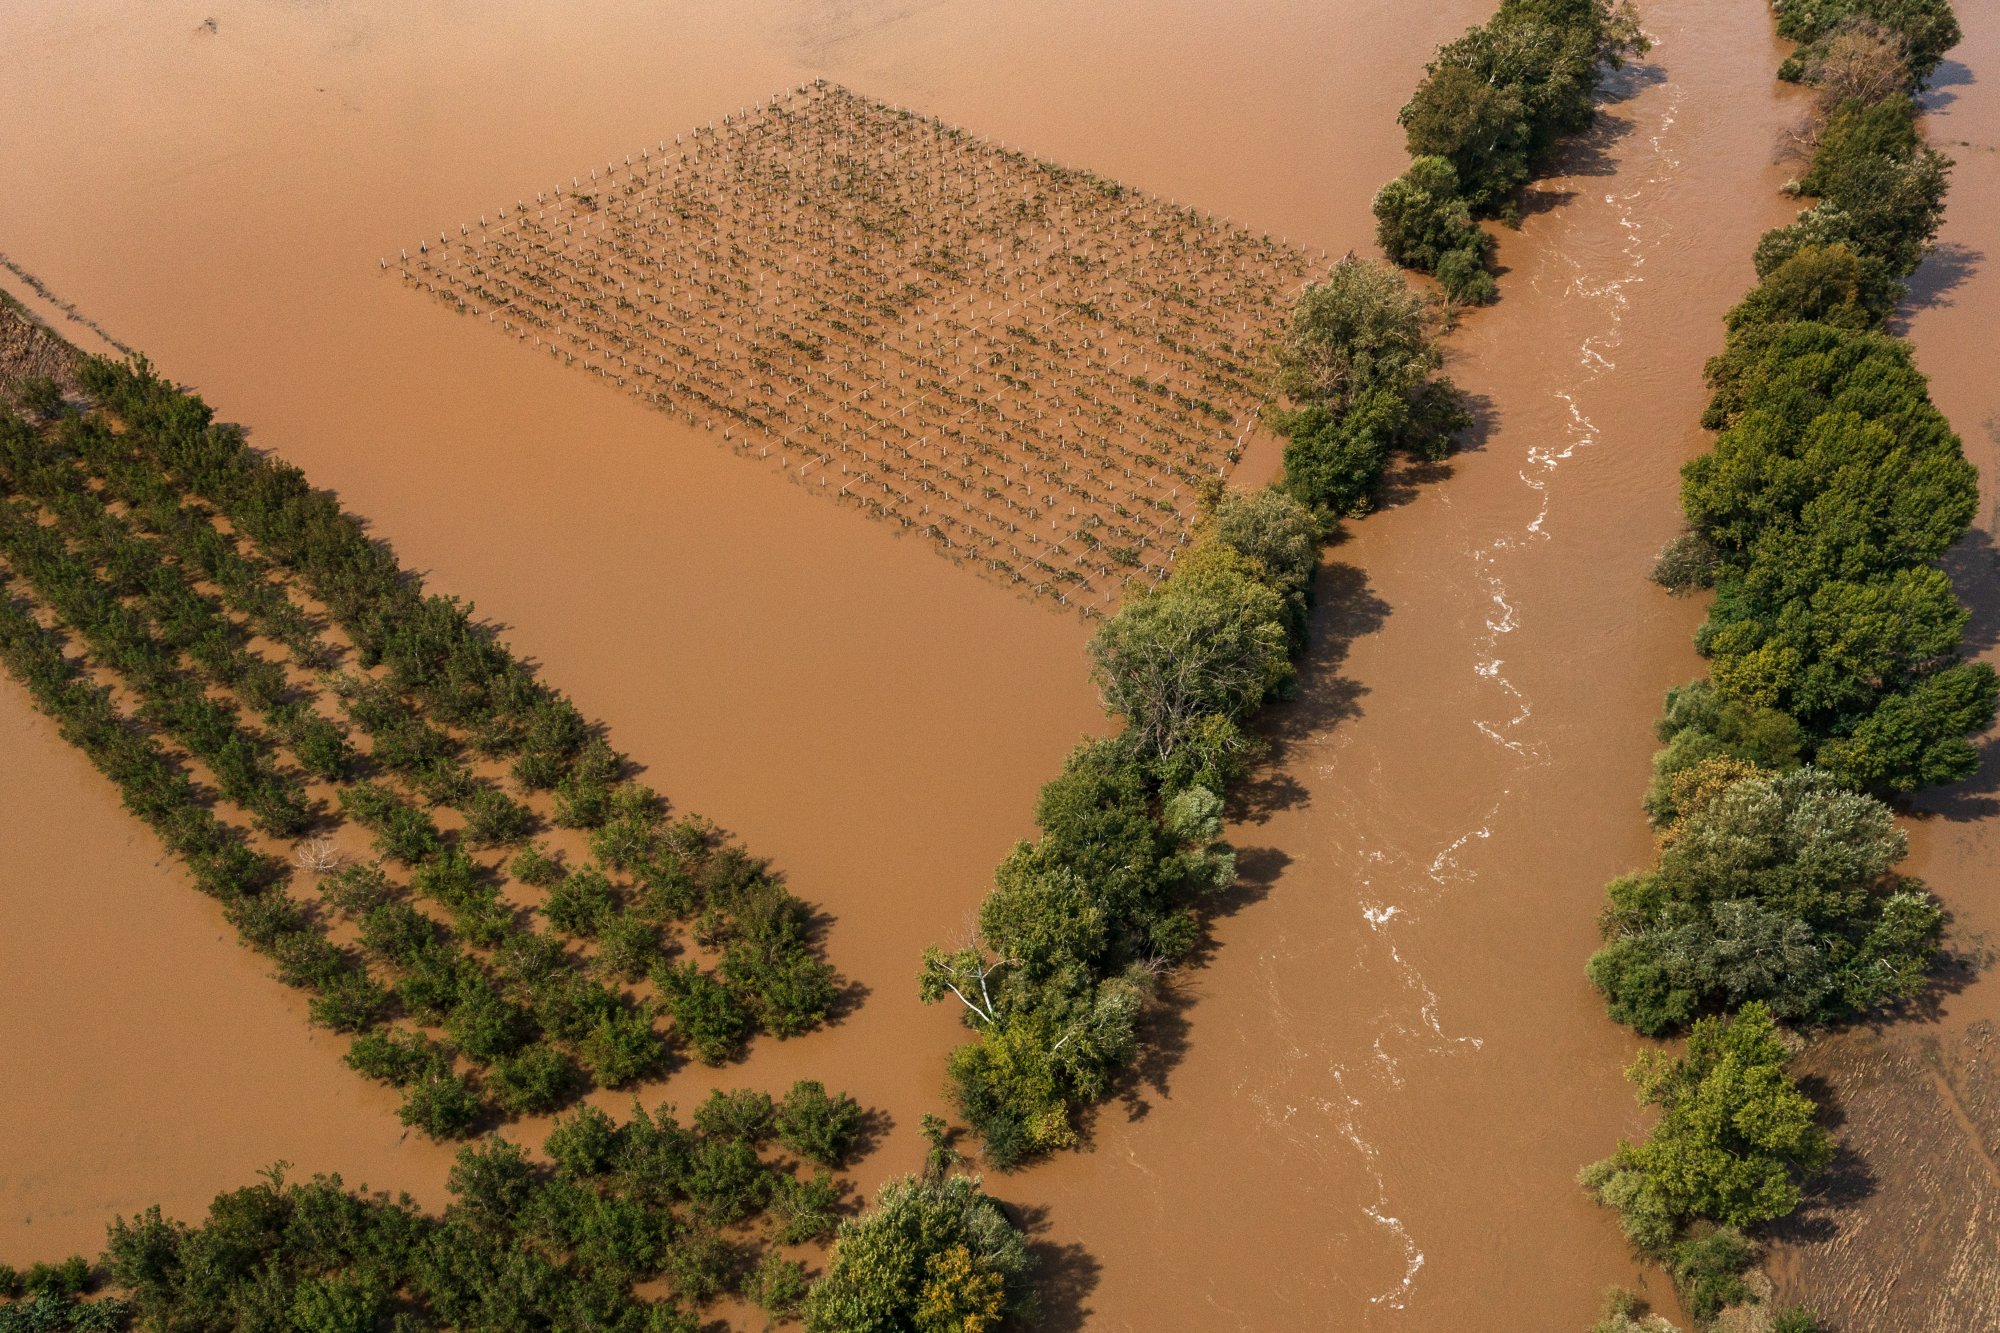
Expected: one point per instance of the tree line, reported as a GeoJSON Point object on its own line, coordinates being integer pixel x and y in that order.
{"type": "Point", "coordinates": [692, 1212]}
{"type": "Point", "coordinates": [1082, 923]}
{"type": "Point", "coordinates": [1837, 678]}
{"type": "Point", "coordinates": [1493, 109]}
{"type": "Point", "coordinates": [144, 551]}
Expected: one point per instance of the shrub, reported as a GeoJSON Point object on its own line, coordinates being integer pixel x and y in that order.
{"type": "Point", "coordinates": [39, 395]}
{"type": "Point", "coordinates": [622, 1046]}
{"type": "Point", "coordinates": [807, 1210]}
{"type": "Point", "coordinates": [399, 1059]}
{"type": "Point", "coordinates": [581, 904]}
{"type": "Point", "coordinates": [348, 1002]}
{"type": "Point", "coordinates": [628, 946]}
{"type": "Point", "coordinates": [582, 802]}
{"type": "Point", "coordinates": [535, 867]}
{"type": "Point", "coordinates": [441, 1104]}
{"type": "Point", "coordinates": [745, 1114]}
{"type": "Point", "coordinates": [707, 1014]}
{"type": "Point", "coordinates": [819, 1127]}
{"type": "Point", "coordinates": [778, 1285]}
{"type": "Point", "coordinates": [533, 1080]}
{"type": "Point", "coordinates": [581, 1144]}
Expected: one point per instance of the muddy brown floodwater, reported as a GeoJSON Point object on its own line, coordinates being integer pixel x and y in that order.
{"type": "Point", "coordinates": [1380, 1090]}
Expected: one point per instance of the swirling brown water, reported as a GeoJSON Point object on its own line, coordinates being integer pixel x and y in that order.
{"type": "Point", "coordinates": [1392, 1065]}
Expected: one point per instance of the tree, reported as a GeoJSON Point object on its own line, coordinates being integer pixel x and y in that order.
{"type": "Point", "coordinates": [1773, 887]}
{"type": "Point", "coordinates": [1873, 168]}
{"type": "Point", "coordinates": [1735, 1140]}
{"type": "Point", "coordinates": [1357, 362]}
{"type": "Point", "coordinates": [1827, 284]}
{"type": "Point", "coordinates": [1925, 30]}
{"type": "Point", "coordinates": [1422, 223]}
{"type": "Point", "coordinates": [932, 1256]}
{"type": "Point", "coordinates": [1360, 331]}
{"type": "Point", "coordinates": [1208, 642]}
{"type": "Point", "coordinates": [1859, 61]}
{"type": "Point", "coordinates": [1463, 119]}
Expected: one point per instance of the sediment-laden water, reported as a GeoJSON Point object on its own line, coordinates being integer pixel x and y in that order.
{"type": "Point", "coordinates": [1376, 1094]}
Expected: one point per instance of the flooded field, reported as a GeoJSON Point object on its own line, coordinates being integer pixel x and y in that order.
{"type": "Point", "coordinates": [1377, 1093]}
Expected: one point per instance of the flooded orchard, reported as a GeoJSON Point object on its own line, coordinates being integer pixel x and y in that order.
{"type": "Point", "coordinates": [1376, 1092]}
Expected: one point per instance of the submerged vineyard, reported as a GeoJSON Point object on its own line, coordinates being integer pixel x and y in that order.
{"type": "Point", "coordinates": [1036, 368]}
{"type": "Point", "coordinates": [495, 911]}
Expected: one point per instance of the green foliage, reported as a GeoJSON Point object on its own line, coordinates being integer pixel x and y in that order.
{"type": "Point", "coordinates": [492, 819]}
{"type": "Point", "coordinates": [1423, 223]}
{"type": "Point", "coordinates": [1734, 1142]}
{"type": "Point", "coordinates": [1358, 363]}
{"type": "Point", "coordinates": [707, 1014]}
{"type": "Point", "coordinates": [818, 1127]}
{"type": "Point", "coordinates": [1829, 498]}
{"type": "Point", "coordinates": [1708, 1266]}
{"type": "Point", "coordinates": [581, 903]}
{"type": "Point", "coordinates": [1775, 887]}
{"type": "Point", "coordinates": [1826, 284]}
{"type": "Point", "coordinates": [1208, 643]}
{"type": "Point", "coordinates": [534, 1080]}
{"type": "Point", "coordinates": [1880, 189]}
{"type": "Point", "coordinates": [1925, 29]}
{"type": "Point", "coordinates": [1495, 103]}
{"type": "Point", "coordinates": [39, 395]}
{"type": "Point", "coordinates": [932, 1256]}
{"type": "Point", "coordinates": [520, 1247]}
{"type": "Point", "coordinates": [779, 1286]}
{"type": "Point", "coordinates": [441, 1104]}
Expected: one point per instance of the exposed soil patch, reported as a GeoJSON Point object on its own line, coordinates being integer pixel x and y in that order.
{"type": "Point", "coordinates": [1919, 1114]}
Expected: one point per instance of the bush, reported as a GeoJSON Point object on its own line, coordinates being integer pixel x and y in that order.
{"type": "Point", "coordinates": [819, 1127]}
{"type": "Point", "coordinates": [39, 395]}
{"type": "Point", "coordinates": [778, 1285]}
{"type": "Point", "coordinates": [582, 1143]}
{"type": "Point", "coordinates": [807, 1210]}
{"type": "Point", "coordinates": [1708, 1267]}
{"type": "Point", "coordinates": [707, 1014]}
{"type": "Point", "coordinates": [628, 947]}
{"type": "Point", "coordinates": [581, 904]}
{"type": "Point", "coordinates": [399, 1059]}
{"type": "Point", "coordinates": [533, 1080]}
{"type": "Point", "coordinates": [441, 1104]}
{"type": "Point", "coordinates": [745, 1114]}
